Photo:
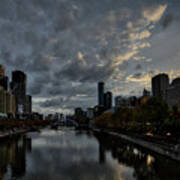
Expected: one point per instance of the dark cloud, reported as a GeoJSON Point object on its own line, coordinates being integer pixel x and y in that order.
{"type": "Point", "coordinates": [67, 103]}
{"type": "Point", "coordinates": [124, 66]}
{"type": "Point", "coordinates": [168, 20]}
{"type": "Point", "coordinates": [151, 72]}
{"type": "Point", "coordinates": [137, 75]}
{"type": "Point", "coordinates": [52, 103]}
{"type": "Point", "coordinates": [43, 38]}
{"type": "Point", "coordinates": [132, 92]}
{"type": "Point", "coordinates": [76, 71]}
{"type": "Point", "coordinates": [39, 83]}
{"type": "Point", "coordinates": [138, 67]}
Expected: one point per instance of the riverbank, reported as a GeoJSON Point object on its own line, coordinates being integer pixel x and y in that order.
{"type": "Point", "coordinates": [11, 133]}
{"type": "Point", "coordinates": [10, 128]}
{"type": "Point", "coordinates": [170, 150]}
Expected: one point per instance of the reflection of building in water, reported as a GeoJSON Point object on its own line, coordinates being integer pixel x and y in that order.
{"type": "Point", "coordinates": [146, 165]}
{"type": "Point", "coordinates": [102, 154]}
{"type": "Point", "coordinates": [28, 144]}
{"type": "Point", "coordinates": [18, 163]}
{"type": "Point", "coordinates": [3, 160]}
{"type": "Point", "coordinates": [13, 155]}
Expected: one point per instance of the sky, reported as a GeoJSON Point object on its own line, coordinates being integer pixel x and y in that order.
{"type": "Point", "coordinates": [67, 46]}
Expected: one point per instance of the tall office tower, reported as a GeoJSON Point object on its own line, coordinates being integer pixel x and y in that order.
{"type": "Point", "coordinates": [4, 82]}
{"type": "Point", "coordinates": [101, 94]}
{"type": "Point", "coordinates": [10, 104]}
{"type": "Point", "coordinates": [105, 103]}
{"type": "Point", "coordinates": [18, 89]}
{"type": "Point", "coordinates": [160, 84]}
{"type": "Point", "coordinates": [2, 70]}
{"type": "Point", "coordinates": [173, 93]}
{"type": "Point", "coordinates": [108, 100]}
{"type": "Point", "coordinates": [3, 78]}
{"type": "Point", "coordinates": [28, 106]}
{"type": "Point", "coordinates": [2, 100]}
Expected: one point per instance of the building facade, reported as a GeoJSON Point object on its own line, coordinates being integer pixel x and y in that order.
{"type": "Point", "coordinates": [10, 104]}
{"type": "Point", "coordinates": [121, 102]}
{"type": "Point", "coordinates": [101, 93]}
{"type": "Point", "coordinates": [79, 113]}
{"type": "Point", "coordinates": [2, 100]}
{"type": "Point", "coordinates": [90, 113]}
{"type": "Point", "coordinates": [4, 82]}
{"type": "Point", "coordinates": [173, 93]}
{"type": "Point", "coordinates": [28, 104]}
{"type": "Point", "coordinates": [18, 89]}
{"type": "Point", "coordinates": [160, 84]}
{"type": "Point", "coordinates": [3, 78]}
{"type": "Point", "coordinates": [2, 70]}
{"type": "Point", "coordinates": [108, 100]}
{"type": "Point", "coordinates": [7, 102]}
{"type": "Point", "coordinates": [14, 101]}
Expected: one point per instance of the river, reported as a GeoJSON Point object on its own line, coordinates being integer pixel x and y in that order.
{"type": "Point", "coordinates": [73, 155]}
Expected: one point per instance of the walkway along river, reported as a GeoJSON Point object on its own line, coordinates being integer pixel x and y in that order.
{"type": "Point", "coordinates": [80, 155]}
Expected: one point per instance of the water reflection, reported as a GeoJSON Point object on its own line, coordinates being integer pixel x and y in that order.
{"type": "Point", "coordinates": [79, 155]}
{"type": "Point", "coordinates": [13, 157]}
{"type": "Point", "coordinates": [147, 165]}
{"type": "Point", "coordinates": [102, 156]}
{"type": "Point", "coordinates": [68, 155]}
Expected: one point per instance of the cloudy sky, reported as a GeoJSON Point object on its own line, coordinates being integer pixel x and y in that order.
{"type": "Point", "coordinates": [67, 46]}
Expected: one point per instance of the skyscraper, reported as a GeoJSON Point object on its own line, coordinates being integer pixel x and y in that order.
{"type": "Point", "coordinates": [160, 83]}
{"type": "Point", "coordinates": [2, 70]}
{"type": "Point", "coordinates": [4, 82]}
{"type": "Point", "coordinates": [18, 89]}
{"type": "Point", "coordinates": [101, 93]}
{"type": "Point", "coordinates": [28, 105]}
{"type": "Point", "coordinates": [3, 78]}
{"type": "Point", "coordinates": [108, 100]}
{"type": "Point", "coordinates": [10, 104]}
{"type": "Point", "coordinates": [173, 93]}
{"type": "Point", "coordinates": [2, 100]}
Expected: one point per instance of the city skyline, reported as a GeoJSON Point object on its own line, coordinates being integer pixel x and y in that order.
{"type": "Point", "coordinates": [67, 47]}
{"type": "Point", "coordinates": [90, 89]}
{"type": "Point", "coordinates": [14, 99]}
{"type": "Point", "coordinates": [161, 86]}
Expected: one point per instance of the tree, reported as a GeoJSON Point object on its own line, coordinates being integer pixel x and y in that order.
{"type": "Point", "coordinates": [154, 111]}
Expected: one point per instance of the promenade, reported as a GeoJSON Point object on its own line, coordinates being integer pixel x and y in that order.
{"type": "Point", "coordinates": [171, 151]}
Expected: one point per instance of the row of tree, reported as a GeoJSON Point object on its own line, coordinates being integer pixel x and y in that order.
{"type": "Point", "coordinates": [10, 124]}
{"type": "Point", "coordinates": [153, 116]}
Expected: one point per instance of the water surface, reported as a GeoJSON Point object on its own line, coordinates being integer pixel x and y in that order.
{"type": "Point", "coordinates": [72, 155]}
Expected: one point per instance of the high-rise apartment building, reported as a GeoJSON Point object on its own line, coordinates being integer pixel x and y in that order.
{"type": "Point", "coordinates": [7, 102]}
{"type": "Point", "coordinates": [4, 82]}
{"type": "Point", "coordinates": [2, 70]}
{"type": "Point", "coordinates": [28, 105]}
{"type": "Point", "coordinates": [3, 78]}
{"type": "Point", "coordinates": [10, 104]}
{"type": "Point", "coordinates": [15, 101]}
{"type": "Point", "coordinates": [18, 89]}
{"type": "Point", "coordinates": [101, 93]}
{"type": "Point", "coordinates": [2, 100]}
{"type": "Point", "coordinates": [108, 100]}
{"type": "Point", "coordinates": [173, 93]}
{"type": "Point", "coordinates": [160, 84]}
